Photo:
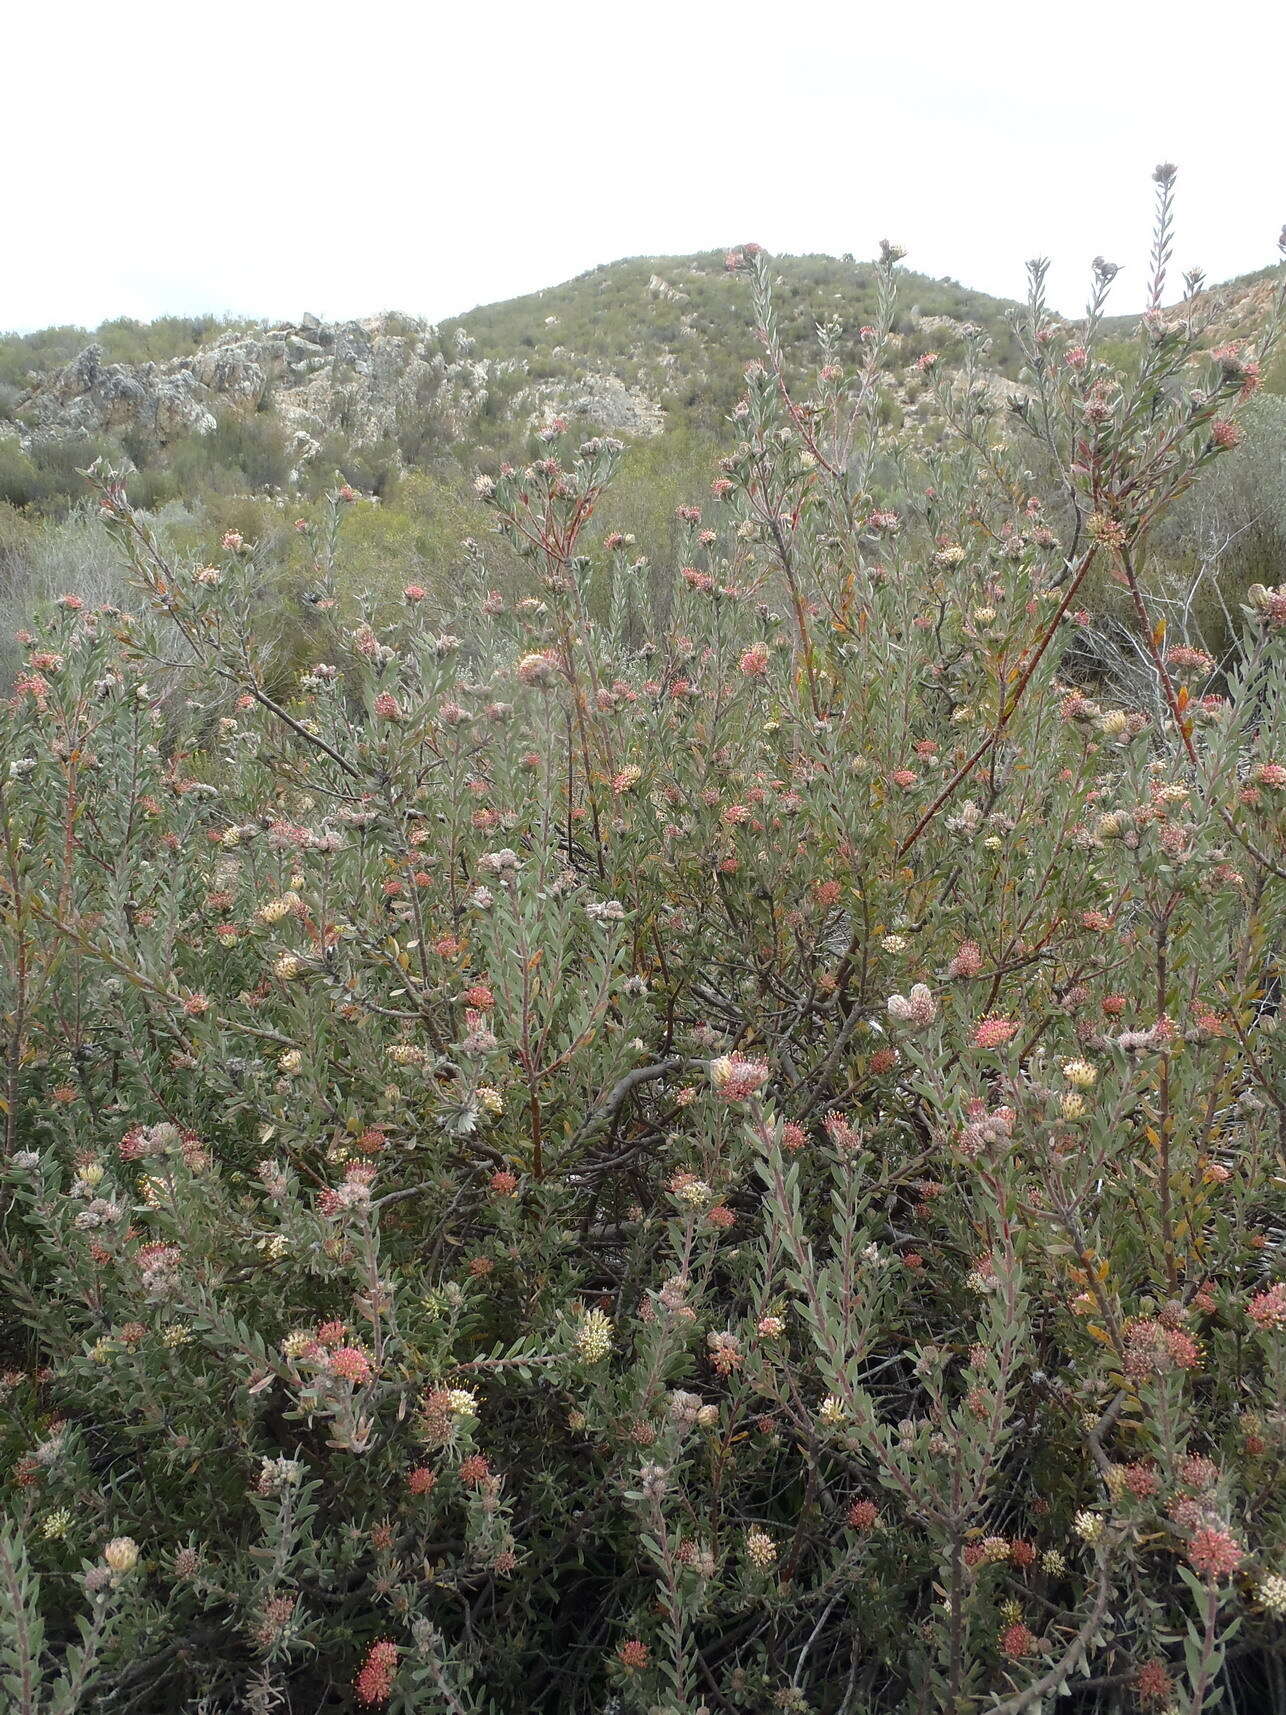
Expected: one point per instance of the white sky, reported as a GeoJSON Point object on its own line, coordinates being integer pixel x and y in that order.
{"type": "Point", "coordinates": [269, 158]}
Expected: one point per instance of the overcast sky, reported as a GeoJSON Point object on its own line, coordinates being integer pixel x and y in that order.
{"type": "Point", "coordinates": [270, 158]}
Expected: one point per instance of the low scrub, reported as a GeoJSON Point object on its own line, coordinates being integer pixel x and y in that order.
{"type": "Point", "coordinates": [661, 1139]}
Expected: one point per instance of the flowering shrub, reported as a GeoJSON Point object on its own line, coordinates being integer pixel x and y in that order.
{"type": "Point", "coordinates": [716, 1154]}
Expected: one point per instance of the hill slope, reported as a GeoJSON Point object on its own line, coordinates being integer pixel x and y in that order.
{"type": "Point", "coordinates": [635, 347]}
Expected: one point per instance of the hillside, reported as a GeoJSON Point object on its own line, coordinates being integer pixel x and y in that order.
{"type": "Point", "coordinates": [636, 347]}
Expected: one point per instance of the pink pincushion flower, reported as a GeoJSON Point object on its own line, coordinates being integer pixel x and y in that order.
{"type": "Point", "coordinates": [1214, 1553]}
{"type": "Point", "coordinates": [374, 1682]}
{"type": "Point", "coordinates": [1153, 1683]}
{"type": "Point", "coordinates": [994, 1032]}
{"type": "Point", "coordinates": [737, 1079]}
{"type": "Point", "coordinates": [1143, 1481]}
{"type": "Point", "coordinates": [1184, 659]}
{"type": "Point", "coordinates": [1017, 1640]}
{"type": "Point", "coordinates": [842, 1133]}
{"type": "Point", "coordinates": [967, 962]}
{"type": "Point", "coordinates": [917, 1009]}
{"type": "Point", "coordinates": [754, 663]}
{"type": "Point", "coordinates": [726, 1354]}
{"type": "Point", "coordinates": [537, 670]}
{"type": "Point", "coordinates": [1268, 1309]}
{"type": "Point", "coordinates": [1198, 1473]}
{"type": "Point", "coordinates": [1152, 1349]}
{"type": "Point", "coordinates": [351, 1364]}
{"type": "Point", "coordinates": [862, 1516]}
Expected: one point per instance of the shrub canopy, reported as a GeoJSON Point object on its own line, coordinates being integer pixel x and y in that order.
{"type": "Point", "coordinates": [660, 1138]}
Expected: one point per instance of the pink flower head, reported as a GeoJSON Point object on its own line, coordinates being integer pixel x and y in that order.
{"type": "Point", "coordinates": [1153, 1683]}
{"type": "Point", "coordinates": [994, 1032]}
{"type": "Point", "coordinates": [967, 962]}
{"type": "Point", "coordinates": [539, 670]}
{"type": "Point", "coordinates": [842, 1133]}
{"type": "Point", "coordinates": [1268, 1309]}
{"type": "Point", "coordinates": [1214, 1553]}
{"type": "Point", "coordinates": [737, 1079]}
{"type": "Point", "coordinates": [917, 1009]}
{"type": "Point", "coordinates": [1152, 1349]}
{"type": "Point", "coordinates": [726, 1354]}
{"type": "Point", "coordinates": [351, 1364]}
{"type": "Point", "coordinates": [1198, 1473]}
{"type": "Point", "coordinates": [1017, 1640]}
{"type": "Point", "coordinates": [374, 1682]}
{"type": "Point", "coordinates": [1184, 659]}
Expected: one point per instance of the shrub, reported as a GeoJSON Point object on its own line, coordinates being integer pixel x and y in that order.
{"type": "Point", "coordinates": [736, 1169]}
{"type": "Point", "coordinates": [21, 483]}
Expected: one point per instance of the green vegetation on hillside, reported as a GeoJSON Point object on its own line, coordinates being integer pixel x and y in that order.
{"type": "Point", "coordinates": [673, 333]}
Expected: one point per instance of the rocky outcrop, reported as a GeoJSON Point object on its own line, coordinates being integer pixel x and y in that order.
{"type": "Point", "coordinates": [600, 398]}
{"type": "Point", "coordinates": [366, 380]}
{"type": "Point", "coordinates": [89, 395]}
{"type": "Point", "coordinates": [355, 376]}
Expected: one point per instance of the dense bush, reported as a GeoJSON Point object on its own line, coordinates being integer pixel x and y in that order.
{"type": "Point", "coordinates": [716, 1153]}
{"type": "Point", "coordinates": [50, 476]}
